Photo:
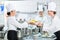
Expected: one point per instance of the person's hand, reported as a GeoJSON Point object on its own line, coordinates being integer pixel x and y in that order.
{"type": "Point", "coordinates": [44, 34]}
{"type": "Point", "coordinates": [38, 24]}
{"type": "Point", "coordinates": [32, 23]}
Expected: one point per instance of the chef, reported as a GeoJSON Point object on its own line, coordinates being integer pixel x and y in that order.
{"type": "Point", "coordinates": [12, 23]}
{"type": "Point", "coordinates": [48, 18]}
{"type": "Point", "coordinates": [55, 26]}
{"type": "Point", "coordinates": [39, 17]}
{"type": "Point", "coordinates": [51, 14]}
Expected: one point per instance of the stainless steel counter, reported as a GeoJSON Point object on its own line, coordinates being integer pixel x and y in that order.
{"type": "Point", "coordinates": [36, 38]}
{"type": "Point", "coordinates": [29, 35]}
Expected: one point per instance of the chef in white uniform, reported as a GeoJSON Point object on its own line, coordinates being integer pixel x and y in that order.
{"type": "Point", "coordinates": [48, 21]}
{"type": "Point", "coordinates": [55, 26]}
{"type": "Point", "coordinates": [39, 17]}
{"type": "Point", "coordinates": [44, 20]}
{"type": "Point", "coordinates": [52, 12]}
{"type": "Point", "coordinates": [12, 23]}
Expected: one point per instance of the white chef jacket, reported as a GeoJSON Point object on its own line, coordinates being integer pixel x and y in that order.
{"type": "Point", "coordinates": [46, 22]}
{"type": "Point", "coordinates": [39, 18]}
{"type": "Point", "coordinates": [55, 26]}
{"type": "Point", "coordinates": [13, 24]}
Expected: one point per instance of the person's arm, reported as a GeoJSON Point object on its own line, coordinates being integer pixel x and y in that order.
{"type": "Point", "coordinates": [16, 23]}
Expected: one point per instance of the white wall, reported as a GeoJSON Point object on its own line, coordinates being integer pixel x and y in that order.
{"type": "Point", "coordinates": [1, 14]}
{"type": "Point", "coordinates": [1, 19]}
{"type": "Point", "coordinates": [24, 6]}
{"type": "Point", "coordinates": [21, 6]}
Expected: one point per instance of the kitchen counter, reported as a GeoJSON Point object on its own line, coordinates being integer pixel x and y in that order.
{"type": "Point", "coordinates": [28, 34]}
{"type": "Point", "coordinates": [36, 38]}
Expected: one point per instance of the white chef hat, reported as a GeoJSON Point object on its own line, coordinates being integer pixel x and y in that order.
{"type": "Point", "coordinates": [10, 7]}
{"type": "Point", "coordinates": [51, 6]}
{"type": "Point", "coordinates": [40, 8]}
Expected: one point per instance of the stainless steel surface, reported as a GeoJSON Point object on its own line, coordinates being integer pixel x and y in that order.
{"type": "Point", "coordinates": [28, 37]}
{"type": "Point", "coordinates": [28, 34]}
{"type": "Point", "coordinates": [2, 34]}
{"type": "Point", "coordinates": [36, 38]}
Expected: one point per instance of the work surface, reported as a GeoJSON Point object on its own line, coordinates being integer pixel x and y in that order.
{"type": "Point", "coordinates": [33, 38]}
{"type": "Point", "coordinates": [36, 38]}
{"type": "Point", "coordinates": [30, 37]}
